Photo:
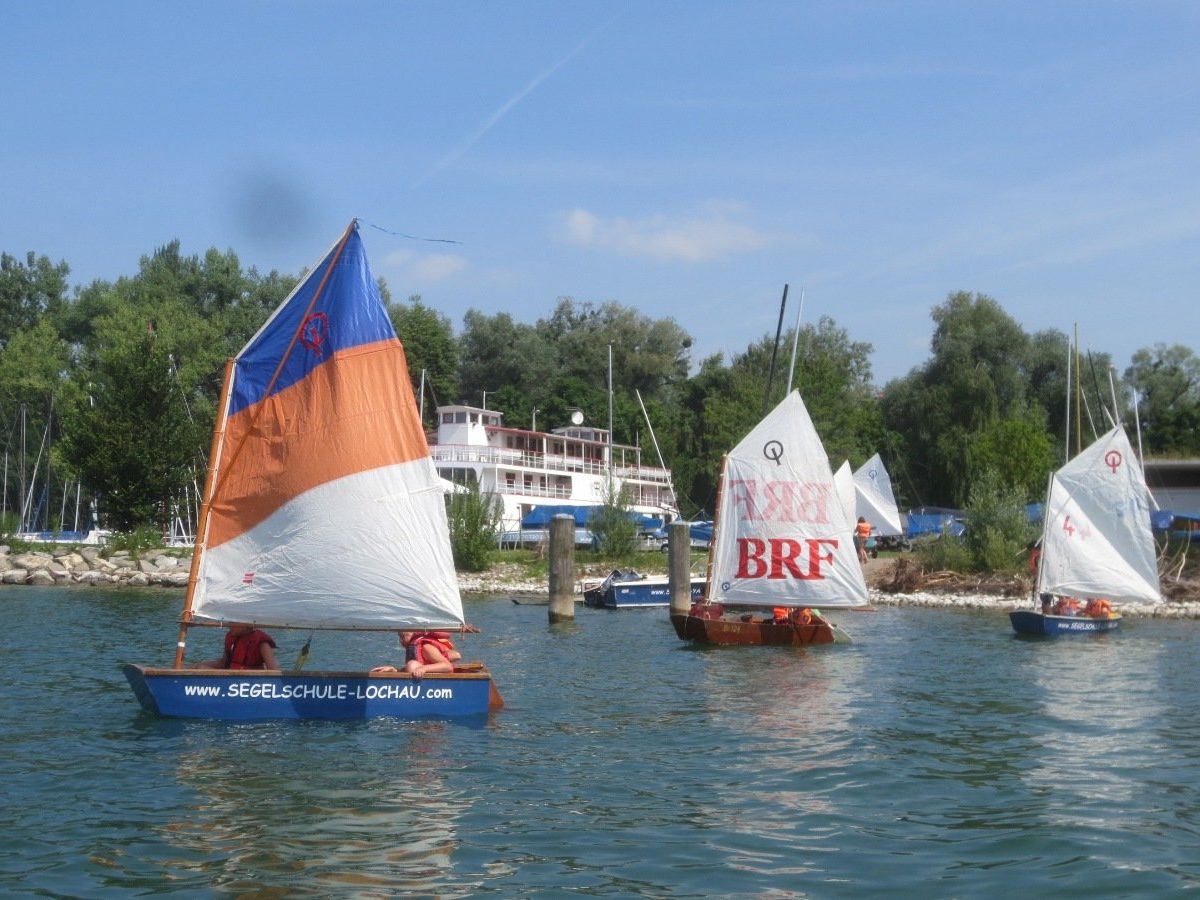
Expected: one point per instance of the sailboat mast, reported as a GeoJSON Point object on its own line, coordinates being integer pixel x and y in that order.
{"type": "Point", "coordinates": [201, 536]}
{"type": "Point", "coordinates": [1079, 400]}
{"type": "Point", "coordinates": [654, 441]}
{"type": "Point", "coordinates": [610, 422]}
{"type": "Point", "coordinates": [795, 340]}
{"type": "Point", "coordinates": [712, 538]}
{"type": "Point", "coordinates": [774, 350]}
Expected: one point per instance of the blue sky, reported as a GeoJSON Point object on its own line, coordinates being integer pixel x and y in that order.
{"type": "Point", "coordinates": [685, 159]}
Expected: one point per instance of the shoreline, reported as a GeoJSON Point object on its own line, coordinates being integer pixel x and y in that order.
{"type": "Point", "coordinates": [1006, 595]}
{"type": "Point", "coordinates": [166, 569]}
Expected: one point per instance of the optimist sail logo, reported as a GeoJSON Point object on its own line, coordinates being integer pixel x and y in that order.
{"type": "Point", "coordinates": [315, 332]}
{"type": "Point", "coordinates": [1113, 460]}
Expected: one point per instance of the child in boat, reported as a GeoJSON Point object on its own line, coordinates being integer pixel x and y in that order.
{"type": "Point", "coordinates": [246, 647]}
{"type": "Point", "coordinates": [425, 652]}
{"type": "Point", "coordinates": [1067, 606]}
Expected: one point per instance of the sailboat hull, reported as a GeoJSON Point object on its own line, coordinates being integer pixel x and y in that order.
{"type": "Point", "coordinates": [733, 632]}
{"type": "Point", "coordinates": [1025, 621]}
{"type": "Point", "coordinates": [255, 696]}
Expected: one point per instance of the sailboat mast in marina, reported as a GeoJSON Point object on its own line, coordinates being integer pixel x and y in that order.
{"type": "Point", "coordinates": [322, 510]}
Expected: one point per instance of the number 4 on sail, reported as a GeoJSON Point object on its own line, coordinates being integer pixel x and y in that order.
{"type": "Point", "coordinates": [322, 510]}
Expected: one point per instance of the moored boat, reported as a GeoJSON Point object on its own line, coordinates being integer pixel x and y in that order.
{"type": "Point", "coordinates": [627, 589]}
{"type": "Point", "coordinates": [556, 472]}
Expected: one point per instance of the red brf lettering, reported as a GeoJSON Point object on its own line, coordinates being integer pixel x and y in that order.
{"type": "Point", "coordinates": [779, 558]}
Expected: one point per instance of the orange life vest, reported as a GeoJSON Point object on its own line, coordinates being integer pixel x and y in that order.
{"type": "Point", "coordinates": [863, 529]}
{"type": "Point", "coordinates": [1098, 608]}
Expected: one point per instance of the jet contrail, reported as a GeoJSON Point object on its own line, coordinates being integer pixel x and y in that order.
{"type": "Point", "coordinates": [467, 143]}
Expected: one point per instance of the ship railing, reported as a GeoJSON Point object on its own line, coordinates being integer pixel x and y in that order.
{"type": "Point", "coordinates": [544, 461]}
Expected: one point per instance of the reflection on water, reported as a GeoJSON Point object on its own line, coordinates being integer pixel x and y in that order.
{"type": "Point", "coordinates": [277, 803]}
{"type": "Point", "coordinates": [935, 754]}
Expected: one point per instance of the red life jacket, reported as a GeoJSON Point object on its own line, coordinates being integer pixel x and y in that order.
{"type": "Point", "coordinates": [243, 651]}
{"type": "Point", "coordinates": [438, 639]}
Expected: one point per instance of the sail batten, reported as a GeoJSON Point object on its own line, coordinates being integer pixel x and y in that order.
{"type": "Point", "coordinates": [781, 535]}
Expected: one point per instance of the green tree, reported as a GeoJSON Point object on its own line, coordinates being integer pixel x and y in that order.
{"type": "Point", "coordinates": [1016, 452]}
{"type": "Point", "coordinates": [474, 519]}
{"type": "Point", "coordinates": [1167, 382]}
{"type": "Point", "coordinates": [614, 530]}
{"type": "Point", "coordinates": [29, 290]}
{"type": "Point", "coordinates": [720, 404]}
{"type": "Point", "coordinates": [129, 428]}
{"type": "Point", "coordinates": [998, 529]}
{"type": "Point", "coordinates": [975, 377]}
{"type": "Point", "coordinates": [429, 345]}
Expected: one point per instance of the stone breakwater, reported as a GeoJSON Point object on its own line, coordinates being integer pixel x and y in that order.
{"type": "Point", "coordinates": [87, 566]}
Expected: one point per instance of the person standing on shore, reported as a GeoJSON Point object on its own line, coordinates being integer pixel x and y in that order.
{"type": "Point", "coordinates": [862, 533]}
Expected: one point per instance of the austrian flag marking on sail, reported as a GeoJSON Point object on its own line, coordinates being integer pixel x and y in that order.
{"type": "Point", "coordinates": [248, 578]}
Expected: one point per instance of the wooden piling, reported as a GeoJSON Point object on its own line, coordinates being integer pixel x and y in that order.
{"type": "Point", "coordinates": [562, 569]}
{"type": "Point", "coordinates": [679, 566]}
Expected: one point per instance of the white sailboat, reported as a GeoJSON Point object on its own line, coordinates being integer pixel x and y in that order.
{"type": "Point", "coordinates": [780, 540]}
{"type": "Point", "coordinates": [1096, 544]}
{"type": "Point", "coordinates": [874, 499]}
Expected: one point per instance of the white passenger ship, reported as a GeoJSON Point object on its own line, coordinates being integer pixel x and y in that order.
{"type": "Point", "coordinates": [567, 466]}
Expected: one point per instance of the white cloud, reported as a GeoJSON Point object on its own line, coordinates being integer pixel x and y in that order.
{"type": "Point", "coordinates": [709, 236]}
{"type": "Point", "coordinates": [426, 268]}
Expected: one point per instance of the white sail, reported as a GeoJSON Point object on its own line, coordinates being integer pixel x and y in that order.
{"type": "Point", "coordinates": [1096, 540]}
{"type": "Point", "coordinates": [843, 480]}
{"type": "Point", "coordinates": [782, 537]}
{"type": "Point", "coordinates": [875, 501]}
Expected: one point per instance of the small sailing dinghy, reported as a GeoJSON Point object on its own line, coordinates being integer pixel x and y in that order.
{"type": "Point", "coordinates": [781, 542]}
{"type": "Point", "coordinates": [874, 499]}
{"type": "Point", "coordinates": [1096, 544]}
{"type": "Point", "coordinates": [322, 510]}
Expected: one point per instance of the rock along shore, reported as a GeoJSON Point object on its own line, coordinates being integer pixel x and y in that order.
{"type": "Point", "coordinates": [86, 566]}
{"type": "Point", "coordinates": [160, 568]}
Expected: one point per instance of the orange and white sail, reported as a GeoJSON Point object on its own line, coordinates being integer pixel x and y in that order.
{"type": "Point", "coordinates": [323, 507]}
{"type": "Point", "coordinates": [782, 535]}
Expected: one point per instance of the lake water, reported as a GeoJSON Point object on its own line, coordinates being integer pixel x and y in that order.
{"type": "Point", "coordinates": [937, 755]}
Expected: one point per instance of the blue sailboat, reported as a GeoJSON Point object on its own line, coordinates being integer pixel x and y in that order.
{"type": "Point", "coordinates": [322, 510]}
{"type": "Point", "coordinates": [1096, 546]}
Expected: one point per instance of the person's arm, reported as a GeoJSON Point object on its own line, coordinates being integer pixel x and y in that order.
{"type": "Point", "coordinates": [268, 655]}
{"type": "Point", "coordinates": [437, 662]}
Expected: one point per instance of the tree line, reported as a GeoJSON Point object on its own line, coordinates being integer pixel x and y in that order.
{"type": "Point", "coordinates": [109, 390]}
